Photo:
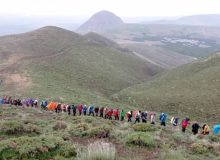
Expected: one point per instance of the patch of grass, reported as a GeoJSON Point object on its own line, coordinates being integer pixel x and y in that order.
{"type": "Point", "coordinates": [60, 126]}
{"type": "Point", "coordinates": [199, 148]}
{"type": "Point", "coordinates": [99, 151]}
{"type": "Point", "coordinates": [12, 127]}
{"type": "Point", "coordinates": [142, 127]}
{"type": "Point", "coordinates": [141, 139]}
{"type": "Point", "coordinates": [173, 155]}
{"type": "Point", "coordinates": [214, 138]}
{"type": "Point", "coordinates": [85, 130]}
{"type": "Point", "coordinates": [42, 147]}
{"type": "Point", "coordinates": [180, 137]}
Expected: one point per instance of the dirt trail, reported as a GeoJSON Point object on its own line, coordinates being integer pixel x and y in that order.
{"type": "Point", "coordinates": [147, 59]}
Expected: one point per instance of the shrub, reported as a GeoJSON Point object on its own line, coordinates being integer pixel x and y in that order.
{"type": "Point", "coordinates": [60, 126]}
{"type": "Point", "coordinates": [99, 151]}
{"type": "Point", "coordinates": [84, 129]}
{"type": "Point", "coordinates": [141, 139]}
{"type": "Point", "coordinates": [79, 130]}
{"type": "Point", "coordinates": [31, 128]}
{"type": "Point", "coordinates": [179, 137]}
{"type": "Point", "coordinates": [12, 127]}
{"type": "Point", "coordinates": [43, 147]}
{"type": "Point", "coordinates": [199, 148]}
{"type": "Point", "coordinates": [100, 132]}
{"type": "Point", "coordinates": [143, 127]}
{"type": "Point", "coordinates": [214, 138]}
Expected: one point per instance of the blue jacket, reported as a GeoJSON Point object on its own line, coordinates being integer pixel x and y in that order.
{"type": "Point", "coordinates": [91, 109]}
{"type": "Point", "coordinates": [163, 117]}
{"type": "Point", "coordinates": [216, 129]}
{"type": "Point", "coordinates": [84, 108]}
{"type": "Point", "coordinates": [1, 101]}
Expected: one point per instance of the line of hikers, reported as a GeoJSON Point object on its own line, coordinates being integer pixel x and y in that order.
{"type": "Point", "coordinates": [109, 113]}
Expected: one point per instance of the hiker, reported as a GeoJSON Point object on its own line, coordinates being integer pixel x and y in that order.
{"type": "Point", "coordinates": [19, 103]}
{"type": "Point", "coordinates": [163, 118]}
{"type": "Point", "coordinates": [101, 112]}
{"type": "Point", "coordinates": [116, 114]}
{"type": "Point", "coordinates": [5, 100]}
{"type": "Point", "coordinates": [10, 100]}
{"type": "Point", "coordinates": [68, 109]}
{"type": "Point", "coordinates": [35, 103]}
{"type": "Point", "coordinates": [122, 115]}
{"type": "Point", "coordinates": [205, 129]}
{"type": "Point", "coordinates": [185, 123]}
{"type": "Point", "coordinates": [1, 101]}
{"type": "Point", "coordinates": [73, 109]}
{"type": "Point", "coordinates": [137, 117]}
{"type": "Point", "coordinates": [58, 108]}
{"type": "Point", "coordinates": [44, 105]}
{"type": "Point", "coordinates": [106, 112]}
{"type": "Point", "coordinates": [152, 117]}
{"type": "Point", "coordinates": [216, 129]}
{"type": "Point", "coordinates": [174, 121]}
{"type": "Point", "coordinates": [96, 111]}
{"type": "Point", "coordinates": [80, 108]}
{"type": "Point", "coordinates": [144, 117]}
{"type": "Point", "coordinates": [84, 110]}
{"type": "Point", "coordinates": [109, 114]}
{"type": "Point", "coordinates": [195, 128]}
{"type": "Point", "coordinates": [27, 103]}
{"type": "Point", "coordinates": [63, 107]}
{"type": "Point", "coordinates": [32, 102]}
{"type": "Point", "coordinates": [129, 115]}
{"type": "Point", "coordinates": [91, 110]}
{"type": "Point", "coordinates": [15, 102]}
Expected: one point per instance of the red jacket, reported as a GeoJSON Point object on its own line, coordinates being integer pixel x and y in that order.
{"type": "Point", "coordinates": [116, 112]}
{"type": "Point", "coordinates": [80, 107]}
{"type": "Point", "coordinates": [110, 113]}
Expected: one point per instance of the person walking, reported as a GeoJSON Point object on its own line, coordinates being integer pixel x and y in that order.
{"type": "Point", "coordinates": [163, 118]}
{"type": "Point", "coordinates": [185, 123]}
{"type": "Point", "coordinates": [122, 115]}
{"type": "Point", "coordinates": [195, 128]}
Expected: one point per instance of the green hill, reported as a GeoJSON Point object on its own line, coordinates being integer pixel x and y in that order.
{"type": "Point", "coordinates": [56, 63]}
{"type": "Point", "coordinates": [190, 90]}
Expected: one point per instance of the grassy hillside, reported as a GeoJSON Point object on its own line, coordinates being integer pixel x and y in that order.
{"type": "Point", "coordinates": [59, 64]}
{"type": "Point", "coordinates": [27, 133]}
{"type": "Point", "coordinates": [159, 55]}
{"type": "Point", "coordinates": [191, 90]}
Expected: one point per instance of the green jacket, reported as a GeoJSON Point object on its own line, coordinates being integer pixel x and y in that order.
{"type": "Point", "coordinates": [122, 113]}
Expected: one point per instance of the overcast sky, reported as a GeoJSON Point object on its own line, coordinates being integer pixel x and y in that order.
{"type": "Point", "coordinates": [123, 8]}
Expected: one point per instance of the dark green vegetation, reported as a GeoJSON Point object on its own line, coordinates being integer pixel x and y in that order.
{"type": "Point", "coordinates": [192, 90]}
{"type": "Point", "coordinates": [61, 65]}
{"type": "Point", "coordinates": [27, 133]}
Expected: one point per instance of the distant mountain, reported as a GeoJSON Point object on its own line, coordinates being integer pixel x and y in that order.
{"type": "Point", "coordinates": [55, 62]}
{"type": "Point", "coordinates": [192, 90]}
{"type": "Point", "coordinates": [195, 20]}
{"type": "Point", "coordinates": [101, 21]}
